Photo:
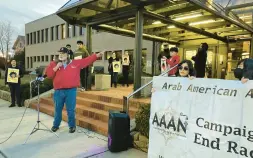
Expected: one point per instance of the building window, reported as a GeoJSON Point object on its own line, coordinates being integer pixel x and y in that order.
{"type": "Point", "coordinates": [38, 58]}
{"type": "Point", "coordinates": [52, 33]}
{"type": "Point", "coordinates": [46, 36]}
{"type": "Point", "coordinates": [27, 62]}
{"type": "Point", "coordinates": [34, 58]}
{"type": "Point", "coordinates": [42, 58]}
{"type": "Point", "coordinates": [42, 35]}
{"type": "Point", "coordinates": [69, 30]}
{"type": "Point", "coordinates": [52, 57]}
{"type": "Point", "coordinates": [63, 31]}
{"type": "Point", "coordinates": [57, 32]}
{"type": "Point", "coordinates": [31, 60]}
{"type": "Point", "coordinates": [31, 38]}
{"type": "Point", "coordinates": [81, 30]}
{"type": "Point", "coordinates": [27, 39]}
{"type": "Point", "coordinates": [46, 58]}
{"type": "Point", "coordinates": [74, 31]}
{"type": "Point", "coordinates": [38, 35]}
{"type": "Point", "coordinates": [34, 38]}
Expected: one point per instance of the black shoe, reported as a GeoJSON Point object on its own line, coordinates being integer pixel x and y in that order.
{"type": "Point", "coordinates": [19, 105]}
{"type": "Point", "coordinates": [72, 130]}
{"type": "Point", "coordinates": [12, 105]}
{"type": "Point", "coordinates": [54, 129]}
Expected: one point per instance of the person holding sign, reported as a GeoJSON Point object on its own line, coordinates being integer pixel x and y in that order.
{"type": "Point", "coordinates": [12, 78]}
{"type": "Point", "coordinates": [65, 75]}
{"type": "Point", "coordinates": [185, 69]}
{"type": "Point", "coordinates": [114, 68]}
{"type": "Point", "coordinates": [125, 68]}
{"type": "Point", "coordinates": [81, 53]}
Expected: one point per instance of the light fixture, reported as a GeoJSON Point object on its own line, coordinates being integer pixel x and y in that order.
{"type": "Point", "coordinates": [202, 22]}
{"type": "Point", "coordinates": [245, 17]}
{"type": "Point", "coordinates": [187, 17]}
{"type": "Point", "coordinates": [246, 53]}
{"type": "Point", "coordinates": [171, 26]}
{"type": "Point", "coordinates": [156, 22]}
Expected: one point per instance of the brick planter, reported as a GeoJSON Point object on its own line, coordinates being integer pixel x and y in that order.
{"type": "Point", "coordinates": [5, 95]}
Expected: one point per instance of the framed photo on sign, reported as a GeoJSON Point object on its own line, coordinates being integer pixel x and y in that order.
{"type": "Point", "coordinates": [12, 75]}
{"type": "Point", "coordinates": [116, 66]}
{"type": "Point", "coordinates": [125, 60]}
{"type": "Point", "coordinates": [163, 65]}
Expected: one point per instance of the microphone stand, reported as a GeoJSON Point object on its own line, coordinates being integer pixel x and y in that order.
{"type": "Point", "coordinates": [36, 128]}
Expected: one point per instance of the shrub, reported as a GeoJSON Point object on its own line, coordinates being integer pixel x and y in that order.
{"type": "Point", "coordinates": [2, 63]}
{"type": "Point", "coordinates": [142, 119]}
{"type": "Point", "coordinates": [44, 87]}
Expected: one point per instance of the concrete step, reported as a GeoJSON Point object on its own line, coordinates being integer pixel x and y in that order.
{"type": "Point", "coordinates": [100, 126]}
{"type": "Point", "coordinates": [107, 99]}
{"type": "Point", "coordinates": [94, 104]}
{"type": "Point", "coordinates": [86, 111]}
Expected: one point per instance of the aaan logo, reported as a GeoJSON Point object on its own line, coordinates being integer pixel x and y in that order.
{"type": "Point", "coordinates": [170, 123]}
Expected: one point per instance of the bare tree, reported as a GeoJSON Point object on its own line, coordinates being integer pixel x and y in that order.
{"type": "Point", "coordinates": [6, 31]}
{"type": "Point", "coordinates": [2, 37]}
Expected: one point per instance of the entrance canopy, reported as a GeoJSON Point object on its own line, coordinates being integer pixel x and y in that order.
{"type": "Point", "coordinates": [169, 21]}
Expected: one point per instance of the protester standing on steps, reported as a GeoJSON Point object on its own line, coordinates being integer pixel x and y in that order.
{"type": "Point", "coordinates": [125, 68]}
{"type": "Point", "coordinates": [111, 69]}
{"type": "Point", "coordinates": [14, 87]}
{"type": "Point", "coordinates": [71, 54]}
{"type": "Point", "coordinates": [81, 53]}
{"type": "Point", "coordinates": [66, 78]}
{"type": "Point", "coordinates": [200, 60]}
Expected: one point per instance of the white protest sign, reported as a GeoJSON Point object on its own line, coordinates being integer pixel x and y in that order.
{"type": "Point", "coordinates": [201, 118]}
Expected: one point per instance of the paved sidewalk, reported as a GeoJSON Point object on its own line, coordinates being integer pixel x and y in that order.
{"type": "Point", "coordinates": [45, 144]}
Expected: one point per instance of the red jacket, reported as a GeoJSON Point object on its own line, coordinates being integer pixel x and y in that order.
{"type": "Point", "coordinates": [70, 76]}
{"type": "Point", "coordinates": [172, 62]}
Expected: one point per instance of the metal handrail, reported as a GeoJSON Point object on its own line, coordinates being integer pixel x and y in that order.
{"type": "Point", "coordinates": [126, 98]}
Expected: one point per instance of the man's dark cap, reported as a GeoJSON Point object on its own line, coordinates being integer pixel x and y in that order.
{"type": "Point", "coordinates": [174, 49]}
{"type": "Point", "coordinates": [63, 50]}
{"type": "Point", "coordinates": [68, 45]}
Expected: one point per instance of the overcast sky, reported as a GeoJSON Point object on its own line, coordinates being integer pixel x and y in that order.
{"type": "Point", "coordinates": [20, 12]}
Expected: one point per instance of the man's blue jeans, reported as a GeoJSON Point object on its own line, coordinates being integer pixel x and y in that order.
{"type": "Point", "coordinates": [67, 96]}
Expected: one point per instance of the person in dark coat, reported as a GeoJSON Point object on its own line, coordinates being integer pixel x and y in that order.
{"type": "Point", "coordinates": [71, 53]}
{"type": "Point", "coordinates": [238, 72]}
{"type": "Point", "coordinates": [14, 87]}
{"type": "Point", "coordinates": [245, 72]}
{"type": "Point", "coordinates": [125, 69]}
{"type": "Point", "coordinates": [200, 60]}
{"type": "Point", "coordinates": [114, 75]}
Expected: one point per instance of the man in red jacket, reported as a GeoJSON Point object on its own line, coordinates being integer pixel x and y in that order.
{"type": "Point", "coordinates": [66, 78]}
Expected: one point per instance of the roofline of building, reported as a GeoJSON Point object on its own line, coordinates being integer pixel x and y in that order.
{"type": "Point", "coordinates": [40, 18]}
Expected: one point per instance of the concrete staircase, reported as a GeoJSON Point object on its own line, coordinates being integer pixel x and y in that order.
{"type": "Point", "coordinates": [91, 110]}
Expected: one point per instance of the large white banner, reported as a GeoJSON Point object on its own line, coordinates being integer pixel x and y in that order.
{"type": "Point", "coordinates": [201, 118]}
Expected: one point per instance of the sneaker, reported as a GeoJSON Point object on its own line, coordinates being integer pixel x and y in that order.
{"type": "Point", "coordinates": [54, 129]}
{"type": "Point", "coordinates": [12, 105]}
{"type": "Point", "coordinates": [82, 89]}
{"type": "Point", "coordinates": [72, 130]}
